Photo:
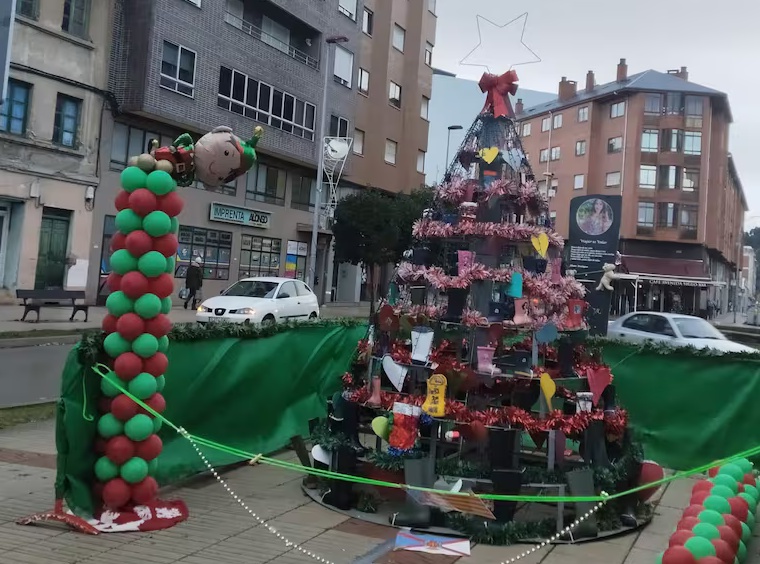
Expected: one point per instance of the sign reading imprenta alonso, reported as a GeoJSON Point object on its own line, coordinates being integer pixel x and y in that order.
{"type": "Point", "coordinates": [240, 216]}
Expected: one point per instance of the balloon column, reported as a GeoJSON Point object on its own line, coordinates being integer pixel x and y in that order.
{"type": "Point", "coordinates": [136, 328]}
{"type": "Point", "coordinates": [717, 526]}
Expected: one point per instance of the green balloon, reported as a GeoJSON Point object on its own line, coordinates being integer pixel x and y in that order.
{"type": "Point", "coordinates": [741, 554]}
{"type": "Point", "coordinates": [175, 225]}
{"type": "Point", "coordinates": [134, 470]}
{"type": "Point", "coordinates": [122, 262]}
{"type": "Point", "coordinates": [157, 223]}
{"type": "Point", "coordinates": [145, 346]}
{"type": "Point", "coordinates": [152, 467]}
{"type": "Point", "coordinates": [727, 481]}
{"type": "Point", "coordinates": [700, 547]}
{"type": "Point", "coordinates": [171, 264]}
{"type": "Point", "coordinates": [107, 383]}
{"type": "Point", "coordinates": [746, 533]}
{"type": "Point", "coordinates": [157, 424]}
{"type": "Point", "coordinates": [114, 345]}
{"type": "Point", "coordinates": [160, 182]}
{"type": "Point", "coordinates": [117, 303]}
{"type": "Point", "coordinates": [139, 428]}
{"type": "Point", "coordinates": [152, 263]}
{"type": "Point", "coordinates": [722, 491]}
{"type": "Point", "coordinates": [745, 465]}
{"type": "Point", "coordinates": [148, 306]}
{"type": "Point", "coordinates": [732, 470]}
{"type": "Point", "coordinates": [128, 221]}
{"type": "Point", "coordinates": [105, 469]}
{"type": "Point", "coordinates": [163, 344]}
{"type": "Point", "coordinates": [717, 503]}
{"type": "Point", "coordinates": [133, 178]}
{"type": "Point", "coordinates": [160, 383]}
{"type": "Point", "coordinates": [750, 500]}
{"type": "Point", "coordinates": [712, 517]}
{"type": "Point", "coordinates": [109, 426]}
{"type": "Point", "coordinates": [142, 386]}
{"type": "Point", "coordinates": [658, 558]}
{"type": "Point", "coordinates": [751, 518]}
{"type": "Point", "coordinates": [753, 491]}
{"type": "Point", "coordinates": [706, 530]}
{"type": "Point", "coordinates": [166, 305]}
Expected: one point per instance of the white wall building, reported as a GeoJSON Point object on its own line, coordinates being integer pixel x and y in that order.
{"type": "Point", "coordinates": [747, 281]}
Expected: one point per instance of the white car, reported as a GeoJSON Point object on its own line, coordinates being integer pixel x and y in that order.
{"type": "Point", "coordinates": [674, 329]}
{"type": "Point", "coordinates": [261, 300]}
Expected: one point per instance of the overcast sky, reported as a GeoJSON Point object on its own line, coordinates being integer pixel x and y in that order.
{"type": "Point", "coordinates": [718, 42]}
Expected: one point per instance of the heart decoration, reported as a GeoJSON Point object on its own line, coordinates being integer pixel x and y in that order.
{"type": "Point", "coordinates": [489, 155]}
{"type": "Point", "coordinates": [540, 243]}
{"type": "Point", "coordinates": [598, 380]}
{"type": "Point", "coordinates": [387, 319]}
{"type": "Point", "coordinates": [382, 427]}
{"type": "Point", "coordinates": [320, 455]}
{"type": "Point", "coordinates": [538, 437]}
{"type": "Point", "coordinates": [396, 373]}
{"type": "Point", "coordinates": [549, 388]}
{"type": "Point", "coordinates": [547, 334]}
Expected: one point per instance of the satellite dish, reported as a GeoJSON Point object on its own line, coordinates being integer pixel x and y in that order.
{"type": "Point", "coordinates": [337, 148]}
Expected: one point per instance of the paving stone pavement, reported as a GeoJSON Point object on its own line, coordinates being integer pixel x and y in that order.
{"type": "Point", "coordinates": [219, 531]}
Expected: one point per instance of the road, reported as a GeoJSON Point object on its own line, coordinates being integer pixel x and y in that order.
{"type": "Point", "coordinates": [31, 374]}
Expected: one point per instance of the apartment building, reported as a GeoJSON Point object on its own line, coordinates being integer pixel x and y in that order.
{"type": "Point", "coordinates": [660, 141]}
{"type": "Point", "coordinates": [49, 141]}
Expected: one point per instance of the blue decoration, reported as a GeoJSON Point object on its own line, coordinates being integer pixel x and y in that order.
{"type": "Point", "coordinates": [547, 334]}
{"type": "Point", "coordinates": [425, 420]}
{"type": "Point", "coordinates": [515, 289]}
{"type": "Point", "coordinates": [407, 452]}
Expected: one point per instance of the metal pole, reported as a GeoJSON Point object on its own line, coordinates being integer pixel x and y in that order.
{"type": "Point", "coordinates": [448, 145]}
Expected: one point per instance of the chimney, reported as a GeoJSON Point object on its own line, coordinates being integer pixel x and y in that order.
{"type": "Point", "coordinates": [622, 71]}
{"type": "Point", "coordinates": [590, 81]}
{"type": "Point", "coordinates": [519, 106]}
{"type": "Point", "coordinates": [567, 89]}
{"type": "Point", "coordinates": [683, 73]}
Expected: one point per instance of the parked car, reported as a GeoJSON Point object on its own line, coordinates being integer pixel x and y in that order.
{"type": "Point", "coordinates": [672, 328]}
{"type": "Point", "coordinates": [261, 300]}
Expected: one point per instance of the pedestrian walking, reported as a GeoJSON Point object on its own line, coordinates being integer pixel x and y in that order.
{"type": "Point", "coordinates": [194, 281]}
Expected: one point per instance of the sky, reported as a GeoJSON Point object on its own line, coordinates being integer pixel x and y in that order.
{"type": "Point", "coordinates": [718, 42]}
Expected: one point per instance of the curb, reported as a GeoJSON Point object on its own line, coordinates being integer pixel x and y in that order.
{"type": "Point", "coordinates": [22, 342]}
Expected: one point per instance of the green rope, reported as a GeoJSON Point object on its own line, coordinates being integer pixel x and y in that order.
{"type": "Point", "coordinates": [86, 416]}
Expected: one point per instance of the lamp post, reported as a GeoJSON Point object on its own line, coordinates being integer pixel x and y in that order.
{"type": "Point", "coordinates": [311, 279]}
{"type": "Point", "coordinates": [448, 141]}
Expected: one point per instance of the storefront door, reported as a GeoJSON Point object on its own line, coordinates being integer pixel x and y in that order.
{"type": "Point", "coordinates": [51, 256]}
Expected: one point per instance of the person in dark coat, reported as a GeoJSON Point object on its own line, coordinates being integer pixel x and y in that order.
{"type": "Point", "coordinates": [194, 281]}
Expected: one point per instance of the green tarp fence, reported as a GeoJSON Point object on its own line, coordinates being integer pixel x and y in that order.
{"type": "Point", "coordinates": [251, 394]}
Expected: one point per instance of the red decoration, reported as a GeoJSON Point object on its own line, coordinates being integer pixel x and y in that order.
{"type": "Point", "coordinates": [144, 491]}
{"type": "Point", "coordinates": [116, 493]}
{"type": "Point", "coordinates": [687, 523]}
{"type": "Point", "coordinates": [122, 200]}
{"type": "Point", "coordinates": [166, 245]}
{"type": "Point", "coordinates": [712, 472]}
{"type": "Point", "coordinates": [120, 449]}
{"type": "Point", "coordinates": [650, 472]}
{"type": "Point", "coordinates": [680, 537]}
{"type": "Point", "coordinates": [171, 204]}
{"type": "Point", "coordinates": [749, 479]}
{"type": "Point", "coordinates": [117, 241]}
{"type": "Point", "coordinates": [138, 243]}
{"type": "Point", "coordinates": [142, 201]}
{"type": "Point", "coordinates": [478, 432]}
{"type": "Point", "coordinates": [693, 511]}
{"type": "Point", "coordinates": [598, 379]}
{"type": "Point", "coordinates": [130, 326]}
{"type": "Point", "coordinates": [150, 448]}
{"type": "Point", "coordinates": [100, 445]}
{"type": "Point", "coordinates": [387, 320]}
{"type": "Point", "coordinates": [104, 404]}
{"type": "Point", "coordinates": [128, 365]}
{"type": "Point", "coordinates": [723, 551]}
{"type": "Point", "coordinates": [134, 284]}
{"type": "Point", "coordinates": [728, 535]}
{"type": "Point", "coordinates": [124, 408]}
{"type": "Point", "coordinates": [698, 498]}
{"type": "Point", "coordinates": [498, 89]}
{"type": "Point", "coordinates": [156, 365]}
{"type": "Point", "coordinates": [114, 282]}
{"type": "Point", "coordinates": [734, 523]}
{"type": "Point", "coordinates": [678, 555]}
{"type": "Point", "coordinates": [162, 286]}
{"type": "Point", "coordinates": [702, 485]}
{"type": "Point", "coordinates": [711, 560]}
{"type": "Point", "coordinates": [109, 324]}
{"type": "Point", "coordinates": [739, 508]}
{"type": "Point", "coordinates": [156, 402]}
{"type": "Point", "coordinates": [158, 326]}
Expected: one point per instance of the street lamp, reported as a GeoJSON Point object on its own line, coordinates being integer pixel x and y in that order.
{"type": "Point", "coordinates": [448, 140]}
{"type": "Point", "coordinates": [330, 41]}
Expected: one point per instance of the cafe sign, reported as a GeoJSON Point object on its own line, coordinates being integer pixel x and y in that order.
{"type": "Point", "coordinates": [240, 216]}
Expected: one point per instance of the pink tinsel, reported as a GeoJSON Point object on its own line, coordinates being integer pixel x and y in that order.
{"type": "Point", "coordinates": [426, 228]}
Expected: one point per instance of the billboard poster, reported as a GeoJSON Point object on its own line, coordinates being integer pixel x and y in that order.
{"type": "Point", "coordinates": [7, 11]}
{"type": "Point", "coordinates": [593, 242]}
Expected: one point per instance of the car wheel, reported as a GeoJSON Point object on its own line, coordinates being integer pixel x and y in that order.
{"type": "Point", "coordinates": [313, 315]}
{"type": "Point", "coordinates": [268, 321]}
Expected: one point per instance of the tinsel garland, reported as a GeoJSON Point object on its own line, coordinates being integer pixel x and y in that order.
{"type": "Point", "coordinates": [499, 534]}
{"type": "Point", "coordinates": [527, 195]}
{"type": "Point", "coordinates": [427, 228]}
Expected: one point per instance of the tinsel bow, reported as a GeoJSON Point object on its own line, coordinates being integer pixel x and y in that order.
{"type": "Point", "coordinates": [498, 89]}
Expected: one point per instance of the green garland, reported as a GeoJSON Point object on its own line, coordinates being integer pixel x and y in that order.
{"type": "Point", "coordinates": [499, 534]}
{"type": "Point", "coordinates": [667, 349]}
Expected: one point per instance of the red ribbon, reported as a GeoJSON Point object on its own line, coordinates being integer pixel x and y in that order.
{"type": "Point", "coordinates": [499, 88]}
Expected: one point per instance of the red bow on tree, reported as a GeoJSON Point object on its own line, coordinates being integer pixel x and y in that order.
{"type": "Point", "coordinates": [499, 88]}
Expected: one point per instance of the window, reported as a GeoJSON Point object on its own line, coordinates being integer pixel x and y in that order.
{"type": "Point", "coordinates": [429, 54]}
{"type": "Point", "coordinates": [130, 141]}
{"type": "Point", "coordinates": [391, 148]}
{"type": "Point", "coordinates": [178, 69]}
{"type": "Point", "coordinates": [275, 35]}
{"type": "Point", "coordinates": [553, 218]}
{"type": "Point", "coordinates": [667, 214]}
{"type": "Point", "coordinates": [617, 110]}
{"type": "Point", "coordinates": [421, 162]}
{"type": "Point", "coordinates": [66, 124]}
{"type": "Point", "coordinates": [557, 121]}
{"type": "Point", "coordinates": [543, 156]}
{"type": "Point", "coordinates": [214, 247]}
{"type": "Point", "coordinates": [234, 13]}
{"type": "Point", "coordinates": [338, 126]}
{"type": "Point", "coordinates": [694, 110]}
{"type": "Point", "coordinates": [343, 68]}
{"type": "Point", "coordinates": [363, 84]}
{"type": "Point", "coordinates": [653, 104]}
{"type": "Point", "coordinates": [76, 14]}
{"type": "Point", "coordinates": [615, 145]}
{"type": "Point", "coordinates": [648, 177]}
{"type": "Point", "coordinates": [368, 21]}
{"type": "Point", "coordinates": [304, 192]}
{"type": "Point", "coordinates": [259, 256]}
{"type": "Point", "coordinates": [674, 103]}
{"type": "Point", "coordinates": [613, 179]}
{"type": "Point", "coordinates": [580, 148]}
{"type": "Point", "coordinates": [692, 143]}
{"type": "Point", "coordinates": [545, 124]}
{"type": "Point", "coordinates": [425, 107]}
{"type": "Point", "coordinates": [690, 181]}
{"type": "Point", "coordinates": [266, 183]}
{"type": "Point", "coordinates": [394, 95]}
{"type": "Point", "coordinates": [245, 96]}
{"type": "Point", "coordinates": [689, 217]}
{"type": "Point", "coordinates": [526, 130]}
{"type": "Point", "coordinates": [650, 141]}
{"type": "Point", "coordinates": [583, 114]}
{"type": "Point", "coordinates": [555, 153]}
{"type": "Point", "coordinates": [578, 181]}
{"type": "Point", "coordinates": [668, 177]}
{"type": "Point", "coordinates": [358, 142]}
{"type": "Point", "coordinates": [347, 8]}
{"type": "Point", "coordinates": [672, 140]}
{"type": "Point", "coordinates": [399, 37]}
{"type": "Point", "coordinates": [646, 214]}
{"type": "Point", "coordinates": [28, 8]}
{"type": "Point", "coordinates": [15, 110]}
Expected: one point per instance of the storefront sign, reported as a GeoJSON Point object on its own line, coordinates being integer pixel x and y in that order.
{"type": "Point", "coordinates": [593, 242]}
{"type": "Point", "coordinates": [240, 216]}
{"type": "Point", "coordinates": [295, 259]}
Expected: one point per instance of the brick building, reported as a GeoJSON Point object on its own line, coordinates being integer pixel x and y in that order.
{"type": "Point", "coordinates": [661, 142]}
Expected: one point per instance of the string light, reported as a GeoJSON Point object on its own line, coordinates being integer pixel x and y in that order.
{"type": "Point", "coordinates": [244, 505]}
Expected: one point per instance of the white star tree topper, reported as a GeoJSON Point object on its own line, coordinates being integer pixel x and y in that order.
{"type": "Point", "coordinates": [500, 44]}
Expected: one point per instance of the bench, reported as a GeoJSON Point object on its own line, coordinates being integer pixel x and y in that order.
{"type": "Point", "coordinates": [33, 300]}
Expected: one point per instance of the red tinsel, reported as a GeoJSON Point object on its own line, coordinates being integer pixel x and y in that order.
{"type": "Point", "coordinates": [427, 228]}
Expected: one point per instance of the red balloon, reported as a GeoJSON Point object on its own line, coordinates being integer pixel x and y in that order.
{"type": "Point", "coordinates": [171, 204]}
{"type": "Point", "coordinates": [118, 241]}
{"type": "Point", "coordinates": [119, 449]}
{"type": "Point", "coordinates": [478, 432]}
{"type": "Point", "coordinates": [678, 555]}
{"type": "Point", "coordinates": [702, 485]}
{"type": "Point", "coordinates": [116, 493]}
{"type": "Point", "coordinates": [138, 243]}
{"type": "Point", "coordinates": [109, 324]}
{"type": "Point", "coordinates": [728, 535]}
{"type": "Point", "coordinates": [150, 448]}
{"type": "Point", "coordinates": [680, 537]}
{"type": "Point", "coordinates": [166, 244]}
{"type": "Point", "coordinates": [134, 284]}
{"type": "Point", "coordinates": [123, 408]}
{"type": "Point", "coordinates": [687, 523]}
{"type": "Point", "coordinates": [156, 365]}
{"type": "Point", "coordinates": [739, 508]}
{"type": "Point", "coordinates": [130, 326]}
{"type": "Point", "coordinates": [156, 402]}
{"type": "Point", "coordinates": [114, 282]}
{"type": "Point", "coordinates": [162, 286]}
{"type": "Point", "coordinates": [158, 326]}
{"type": "Point", "coordinates": [104, 404]}
{"type": "Point", "coordinates": [740, 487]}
{"type": "Point", "coordinates": [142, 201]}
{"type": "Point", "coordinates": [145, 491]}
{"type": "Point", "coordinates": [723, 551]}
{"type": "Point", "coordinates": [749, 479]}
{"type": "Point", "coordinates": [128, 365]}
{"type": "Point", "coordinates": [711, 560]}
{"type": "Point", "coordinates": [97, 491]}
{"type": "Point", "coordinates": [650, 472]}
{"type": "Point", "coordinates": [697, 498]}
{"type": "Point", "coordinates": [693, 511]}
{"type": "Point", "coordinates": [100, 445]}
{"type": "Point", "coordinates": [734, 523]}
{"type": "Point", "coordinates": [712, 472]}
{"type": "Point", "coordinates": [122, 200]}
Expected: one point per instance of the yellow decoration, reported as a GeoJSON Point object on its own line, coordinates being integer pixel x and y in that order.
{"type": "Point", "coordinates": [540, 243]}
{"type": "Point", "coordinates": [382, 427]}
{"type": "Point", "coordinates": [436, 396]}
{"type": "Point", "coordinates": [489, 155]}
{"type": "Point", "coordinates": [549, 388]}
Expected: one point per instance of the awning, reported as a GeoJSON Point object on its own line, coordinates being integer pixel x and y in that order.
{"type": "Point", "coordinates": [669, 272]}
